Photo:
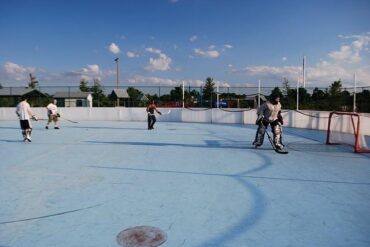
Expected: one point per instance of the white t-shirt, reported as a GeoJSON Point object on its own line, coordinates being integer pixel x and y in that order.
{"type": "Point", "coordinates": [269, 111]}
{"type": "Point", "coordinates": [52, 109]}
{"type": "Point", "coordinates": [23, 110]}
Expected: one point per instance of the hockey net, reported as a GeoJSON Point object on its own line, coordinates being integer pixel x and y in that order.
{"type": "Point", "coordinates": [345, 128]}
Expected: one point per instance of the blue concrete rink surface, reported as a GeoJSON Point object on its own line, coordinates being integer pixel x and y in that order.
{"type": "Point", "coordinates": [204, 185]}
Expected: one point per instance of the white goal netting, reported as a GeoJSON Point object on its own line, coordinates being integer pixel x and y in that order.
{"type": "Point", "coordinates": [345, 128]}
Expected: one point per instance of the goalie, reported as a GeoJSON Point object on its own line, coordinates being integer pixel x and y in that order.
{"type": "Point", "coordinates": [269, 113]}
{"type": "Point", "coordinates": [53, 115]}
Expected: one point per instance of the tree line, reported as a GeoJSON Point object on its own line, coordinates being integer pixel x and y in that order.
{"type": "Point", "coordinates": [334, 98]}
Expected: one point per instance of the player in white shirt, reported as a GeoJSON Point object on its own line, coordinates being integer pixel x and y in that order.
{"type": "Point", "coordinates": [24, 113]}
{"type": "Point", "coordinates": [53, 115]}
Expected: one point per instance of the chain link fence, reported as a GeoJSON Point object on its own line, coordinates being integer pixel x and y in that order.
{"type": "Point", "coordinates": [189, 96]}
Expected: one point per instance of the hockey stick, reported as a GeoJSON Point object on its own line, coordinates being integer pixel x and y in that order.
{"type": "Point", "coordinates": [68, 120]}
{"type": "Point", "coordinates": [273, 145]}
{"type": "Point", "coordinates": [166, 113]}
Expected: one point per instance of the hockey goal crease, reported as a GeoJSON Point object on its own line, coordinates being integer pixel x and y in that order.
{"type": "Point", "coordinates": [345, 128]}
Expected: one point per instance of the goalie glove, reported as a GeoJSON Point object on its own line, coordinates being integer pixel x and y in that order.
{"type": "Point", "coordinates": [280, 118]}
{"type": "Point", "coordinates": [259, 120]}
{"type": "Point", "coordinates": [34, 118]}
{"type": "Point", "coordinates": [160, 113]}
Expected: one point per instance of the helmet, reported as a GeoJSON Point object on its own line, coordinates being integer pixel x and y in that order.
{"type": "Point", "coordinates": [273, 98]}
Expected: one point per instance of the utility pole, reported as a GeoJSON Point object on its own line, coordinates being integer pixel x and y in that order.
{"type": "Point", "coordinates": [297, 94]}
{"type": "Point", "coordinates": [117, 62]}
{"type": "Point", "coordinates": [304, 72]}
{"type": "Point", "coordinates": [354, 93]}
{"type": "Point", "coordinates": [259, 93]}
{"type": "Point", "coordinates": [183, 94]}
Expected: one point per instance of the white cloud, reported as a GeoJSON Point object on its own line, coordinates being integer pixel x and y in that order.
{"type": "Point", "coordinates": [17, 75]}
{"type": "Point", "coordinates": [161, 63]}
{"type": "Point", "coordinates": [150, 80]}
{"type": "Point", "coordinates": [173, 1]}
{"type": "Point", "coordinates": [193, 38]}
{"type": "Point", "coordinates": [350, 53]}
{"type": "Point", "coordinates": [340, 65]}
{"type": "Point", "coordinates": [17, 72]}
{"type": "Point", "coordinates": [114, 48]}
{"type": "Point", "coordinates": [270, 70]}
{"type": "Point", "coordinates": [88, 73]}
{"type": "Point", "coordinates": [345, 54]}
{"type": "Point", "coordinates": [153, 50]}
{"type": "Point", "coordinates": [131, 54]}
{"type": "Point", "coordinates": [228, 46]}
{"type": "Point", "coordinates": [284, 59]}
{"type": "Point", "coordinates": [211, 47]}
{"type": "Point", "coordinates": [208, 54]}
{"type": "Point", "coordinates": [322, 73]}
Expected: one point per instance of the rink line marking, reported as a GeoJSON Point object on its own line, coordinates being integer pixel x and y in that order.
{"type": "Point", "coordinates": [49, 215]}
{"type": "Point", "coordinates": [232, 175]}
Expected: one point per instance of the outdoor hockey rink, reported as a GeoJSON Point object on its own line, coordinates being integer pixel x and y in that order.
{"type": "Point", "coordinates": [203, 185]}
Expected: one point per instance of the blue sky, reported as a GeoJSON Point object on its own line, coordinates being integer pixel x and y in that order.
{"type": "Point", "coordinates": [165, 42]}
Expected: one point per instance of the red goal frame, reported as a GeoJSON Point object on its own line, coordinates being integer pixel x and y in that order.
{"type": "Point", "coordinates": [355, 124]}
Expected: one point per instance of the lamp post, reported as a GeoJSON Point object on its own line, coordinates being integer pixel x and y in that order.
{"type": "Point", "coordinates": [304, 72]}
{"type": "Point", "coordinates": [117, 62]}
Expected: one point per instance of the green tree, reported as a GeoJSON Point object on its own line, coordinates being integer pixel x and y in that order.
{"type": "Point", "coordinates": [363, 101]}
{"type": "Point", "coordinates": [304, 98]}
{"type": "Point", "coordinates": [290, 101]}
{"type": "Point", "coordinates": [133, 93]}
{"type": "Point", "coordinates": [335, 88]}
{"type": "Point", "coordinates": [286, 86]}
{"type": "Point", "coordinates": [33, 82]}
{"type": "Point", "coordinates": [346, 101]}
{"type": "Point", "coordinates": [192, 97]}
{"type": "Point", "coordinates": [83, 86]}
{"type": "Point", "coordinates": [335, 93]}
{"type": "Point", "coordinates": [99, 98]}
{"type": "Point", "coordinates": [176, 94]}
{"type": "Point", "coordinates": [277, 91]}
{"type": "Point", "coordinates": [319, 99]}
{"type": "Point", "coordinates": [209, 90]}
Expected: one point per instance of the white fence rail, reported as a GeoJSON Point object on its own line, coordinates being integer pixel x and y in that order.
{"type": "Point", "coordinates": [304, 119]}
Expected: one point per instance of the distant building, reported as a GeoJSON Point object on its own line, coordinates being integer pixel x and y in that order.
{"type": "Point", "coordinates": [120, 96]}
{"type": "Point", "coordinates": [254, 99]}
{"type": "Point", "coordinates": [73, 99]}
{"type": "Point", "coordinates": [10, 96]}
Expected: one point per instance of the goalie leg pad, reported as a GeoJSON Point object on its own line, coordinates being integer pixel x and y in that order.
{"type": "Point", "coordinates": [260, 135]}
{"type": "Point", "coordinates": [278, 135]}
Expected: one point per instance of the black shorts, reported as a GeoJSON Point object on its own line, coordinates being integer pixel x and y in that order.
{"type": "Point", "coordinates": [25, 124]}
